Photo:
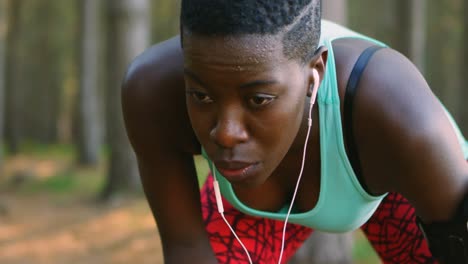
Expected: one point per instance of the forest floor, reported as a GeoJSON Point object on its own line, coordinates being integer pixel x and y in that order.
{"type": "Point", "coordinates": [49, 214]}
{"type": "Point", "coordinates": [39, 229]}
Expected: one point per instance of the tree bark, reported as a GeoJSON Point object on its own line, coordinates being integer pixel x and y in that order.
{"type": "Point", "coordinates": [128, 27]}
{"type": "Point", "coordinates": [444, 53]}
{"type": "Point", "coordinates": [43, 126]}
{"type": "Point", "coordinates": [402, 22]}
{"type": "Point", "coordinates": [88, 125]}
{"type": "Point", "coordinates": [3, 47]}
{"type": "Point", "coordinates": [464, 71]}
{"type": "Point", "coordinates": [34, 85]}
{"type": "Point", "coordinates": [418, 34]}
{"type": "Point", "coordinates": [13, 92]}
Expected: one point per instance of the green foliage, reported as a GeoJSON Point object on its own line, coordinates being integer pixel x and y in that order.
{"type": "Point", "coordinates": [38, 150]}
{"type": "Point", "coordinates": [363, 253]}
{"type": "Point", "coordinates": [63, 179]}
{"type": "Point", "coordinates": [69, 183]}
{"type": "Point", "coordinates": [59, 151]}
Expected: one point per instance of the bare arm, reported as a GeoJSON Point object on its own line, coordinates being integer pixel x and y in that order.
{"type": "Point", "coordinates": [405, 139]}
{"type": "Point", "coordinates": [153, 101]}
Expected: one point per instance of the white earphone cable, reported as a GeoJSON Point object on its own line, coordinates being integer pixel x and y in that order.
{"type": "Point", "coordinates": [309, 126]}
{"type": "Point", "coordinates": [218, 192]}
{"type": "Point", "coordinates": [221, 211]}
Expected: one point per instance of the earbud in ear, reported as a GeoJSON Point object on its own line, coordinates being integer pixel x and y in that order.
{"type": "Point", "coordinates": [316, 86]}
{"type": "Point", "coordinates": [314, 94]}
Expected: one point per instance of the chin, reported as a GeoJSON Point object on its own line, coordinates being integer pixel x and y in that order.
{"type": "Point", "coordinates": [249, 183]}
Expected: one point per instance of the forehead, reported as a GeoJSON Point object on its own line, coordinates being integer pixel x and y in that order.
{"type": "Point", "coordinates": [246, 51]}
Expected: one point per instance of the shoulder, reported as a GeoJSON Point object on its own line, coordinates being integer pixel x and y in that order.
{"type": "Point", "coordinates": [391, 86]}
{"type": "Point", "coordinates": [162, 61]}
{"type": "Point", "coordinates": [405, 140]}
{"type": "Point", "coordinates": [153, 99]}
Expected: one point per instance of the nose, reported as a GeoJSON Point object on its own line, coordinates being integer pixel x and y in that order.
{"type": "Point", "coordinates": [229, 131]}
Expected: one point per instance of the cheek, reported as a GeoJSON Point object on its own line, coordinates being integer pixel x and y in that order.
{"type": "Point", "coordinates": [199, 120]}
{"type": "Point", "coordinates": [280, 126]}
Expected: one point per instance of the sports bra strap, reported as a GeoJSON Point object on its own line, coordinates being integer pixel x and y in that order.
{"type": "Point", "coordinates": [350, 92]}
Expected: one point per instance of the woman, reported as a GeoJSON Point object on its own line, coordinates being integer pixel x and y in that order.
{"type": "Point", "coordinates": [237, 87]}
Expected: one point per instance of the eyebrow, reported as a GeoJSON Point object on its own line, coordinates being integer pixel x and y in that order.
{"type": "Point", "coordinates": [257, 83]}
{"type": "Point", "coordinates": [194, 77]}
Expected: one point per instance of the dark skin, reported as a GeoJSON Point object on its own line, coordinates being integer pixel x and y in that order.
{"type": "Point", "coordinates": [238, 102]}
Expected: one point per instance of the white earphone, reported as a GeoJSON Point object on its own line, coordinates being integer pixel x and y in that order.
{"type": "Point", "coordinates": [316, 86]}
{"type": "Point", "coordinates": [218, 192]}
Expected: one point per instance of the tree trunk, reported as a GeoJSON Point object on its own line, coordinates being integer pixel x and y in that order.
{"type": "Point", "coordinates": [88, 125]}
{"type": "Point", "coordinates": [464, 71]}
{"type": "Point", "coordinates": [3, 47]}
{"type": "Point", "coordinates": [418, 34]}
{"type": "Point", "coordinates": [34, 85]}
{"type": "Point", "coordinates": [402, 24]}
{"type": "Point", "coordinates": [13, 92]}
{"type": "Point", "coordinates": [128, 27]}
{"type": "Point", "coordinates": [3, 34]}
{"type": "Point", "coordinates": [444, 53]}
{"type": "Point", "coordinates": [44, 91]}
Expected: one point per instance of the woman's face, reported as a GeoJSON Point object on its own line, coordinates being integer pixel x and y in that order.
{"type": "Point", "coordinates": [246, 103]}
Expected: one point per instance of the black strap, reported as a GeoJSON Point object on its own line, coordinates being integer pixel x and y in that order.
{"type": "Point", "coordinates": [350, 92]}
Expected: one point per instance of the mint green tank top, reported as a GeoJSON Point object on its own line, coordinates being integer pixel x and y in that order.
{"type": "Point", "coordinates": [343, 205]}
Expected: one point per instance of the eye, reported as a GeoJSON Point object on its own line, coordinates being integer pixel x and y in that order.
{"type": "Point", "coordinates": [200, 97]}
{"type": "Point", "coordinates": [261, 100]}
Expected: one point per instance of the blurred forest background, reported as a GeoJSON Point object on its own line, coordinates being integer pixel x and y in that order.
{"type": "Point", "coordinates": [69, 186]}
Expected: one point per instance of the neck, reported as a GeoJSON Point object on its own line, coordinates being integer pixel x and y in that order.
{"type": "Point", "coordinates": [297, 148]}
{"type": "Point", "coordinates": [288, 170]}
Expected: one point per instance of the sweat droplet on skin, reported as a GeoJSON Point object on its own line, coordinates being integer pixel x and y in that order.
{"type": "Point", "coordinates": [239, 53]}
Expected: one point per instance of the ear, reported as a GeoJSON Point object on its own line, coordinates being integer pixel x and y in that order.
{"type": "Point", "coordinates": [316, 64]}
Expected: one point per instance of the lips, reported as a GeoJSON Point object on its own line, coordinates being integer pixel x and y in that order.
{"type": "Point", "coordinates": [234, 170]}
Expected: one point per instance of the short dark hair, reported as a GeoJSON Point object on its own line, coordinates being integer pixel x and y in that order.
{"type": "Point", "coordinates": [297, 20]}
